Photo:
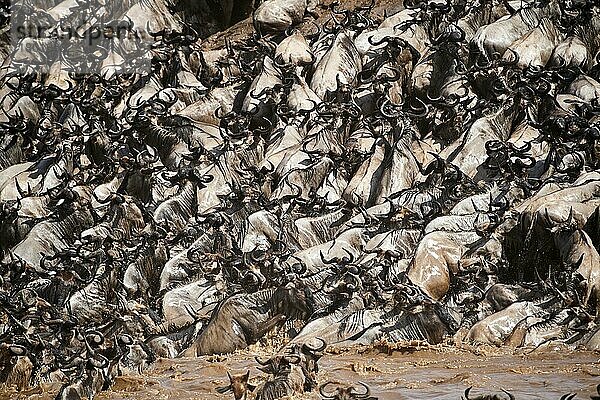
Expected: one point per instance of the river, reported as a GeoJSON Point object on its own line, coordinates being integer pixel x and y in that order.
{"type": "Point", "coordinates": [405, 372]}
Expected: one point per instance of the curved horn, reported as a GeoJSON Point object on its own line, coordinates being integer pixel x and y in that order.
{"type": "Point", "coordinates": [261, 362]}
{"type": "Point", "coordinates": [568, 396]}
{"type": "Point", "coordinates": [261, 94]}
{"type": "Point", "coordinates": [350, 258]}
{"type": "Point", "coordinates": [95, 337]}
{"type": "Point", "coordinates": [436, 165]}
{"type": "Point", "coordinates": [362, 395]}
{"type": "Point", "coordinates": [383, 109]}
{"type": "Point", "coordinates": [17, 350]}
{"type": "Point", "coordinates": [418, 111]}
{"type": "Point", "coordinates": [467, 390]}
{"type": "Point", "coordinates": [99, 361]}
{"type": "Point", "coordinates": [526, 162]}
{"type": "Point", "coordinates": [126, 339]}
{"type": "Point", "coordinates": [324, 394]}
{"type": "Point", "coordinates": [385, 39]}
{"type": "Point", "coordinates": [21, 191]}
{"type": "Point", "coordinates": [433, 100]}
{"type": "Point", "coordinates": [332, 261]}
{"type": "Point", "coordinates": [315, 349]}
{"type": "Point", "coordinates": [493, 146]}
{"type": "Point", "coordinates": [510, 395]}
{"type": "Point", "coordinates": [281, 248]}
{"type": "Point", "coordinates": [257, 256]}
{"type": "Point", "coordinates": [523, 149]}
{"type": "Point", "coordinates": [435, 208]}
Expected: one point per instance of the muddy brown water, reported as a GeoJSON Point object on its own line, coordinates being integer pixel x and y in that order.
{"type": "Point", "coordinates": [410, 372]}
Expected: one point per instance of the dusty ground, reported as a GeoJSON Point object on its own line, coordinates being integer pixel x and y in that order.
{"type": "Point", "coordinates": [244, 29]}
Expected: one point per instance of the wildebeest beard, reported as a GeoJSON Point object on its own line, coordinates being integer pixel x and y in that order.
{"type": "Point", "coordinates": [292, 301]}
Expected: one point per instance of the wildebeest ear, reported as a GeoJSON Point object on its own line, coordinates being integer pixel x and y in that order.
{"type": "Point", "coordinates": [246, 376]}
{"type": "Point", "coordinates": [223, 389]}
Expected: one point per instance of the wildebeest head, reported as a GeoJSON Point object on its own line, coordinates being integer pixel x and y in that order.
{"type": "Point", "coordinates": [487, 396]}
{"type": "Point", "coordinates": [408, 296]}
{"type": "Point", "coordinates": [346, 393]}
{"type": "Point", "coordinates": [277, 365]}
{"type": "Point", "coordinates": [313, 354]}
{"type": "Point", "coordinates": [309, 358]}
{"type": "Point", "coordinates": [8, 231]}
{"type": "Point", "coordinates": [238, 384]}
{"type": "Point", "coordinates": [292, 300]}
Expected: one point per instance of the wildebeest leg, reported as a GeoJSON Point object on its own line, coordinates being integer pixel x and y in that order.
{"type": "Point", "coordinates": [577, 247]}
{"type": "Point", "coordinates": [267, 326]}
{"type": "Point", "coordinates": [517, 337]}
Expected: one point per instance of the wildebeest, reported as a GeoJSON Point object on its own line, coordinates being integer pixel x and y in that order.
{"type": "Point", "coordinates": [243, 319]}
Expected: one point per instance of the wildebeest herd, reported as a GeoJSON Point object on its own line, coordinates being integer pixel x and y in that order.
{"type": "Point", "coordinates": [408, 172]}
